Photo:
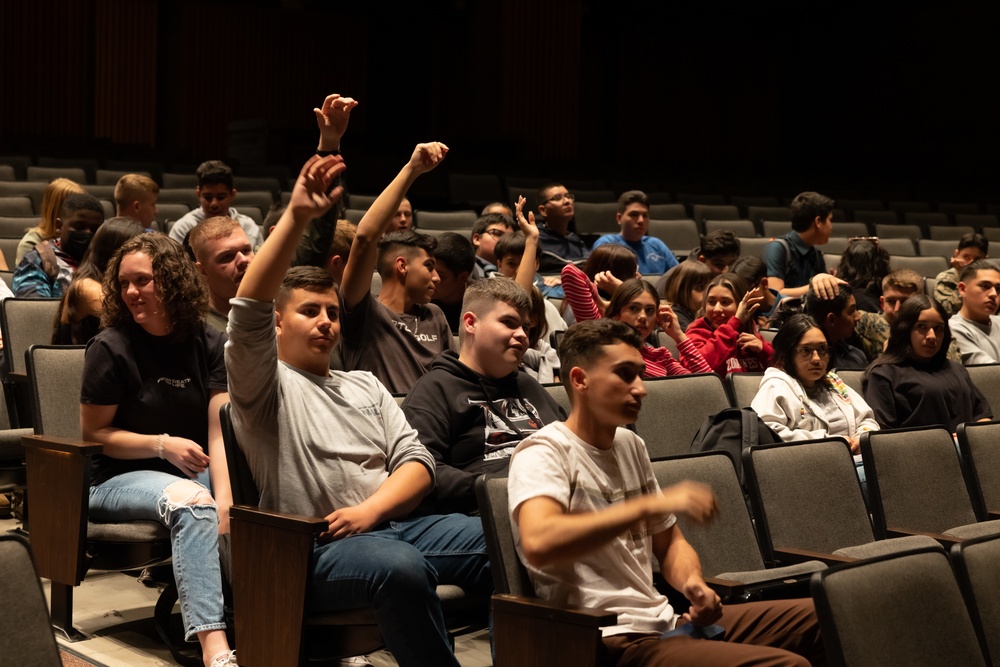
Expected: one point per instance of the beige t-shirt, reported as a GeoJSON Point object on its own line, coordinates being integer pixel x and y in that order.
{"type": "Point", "coordinates": [618, 577]}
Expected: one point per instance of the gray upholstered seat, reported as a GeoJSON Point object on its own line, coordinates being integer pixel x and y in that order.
{"type": "Point", "coordinates": [979, 444]}
{"type": "Point", "coordinates": [26, 639]}
{"type": "Point", "coordinates": [674, 409]}
{"type": "Point", "coordinates": [977, 568]}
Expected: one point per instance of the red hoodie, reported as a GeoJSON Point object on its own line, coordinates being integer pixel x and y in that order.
{"type": "Point", "coordinates": [719, 348]}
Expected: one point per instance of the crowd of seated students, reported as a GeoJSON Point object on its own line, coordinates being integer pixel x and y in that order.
{"type": "Point", "coordinates": [395, 484]}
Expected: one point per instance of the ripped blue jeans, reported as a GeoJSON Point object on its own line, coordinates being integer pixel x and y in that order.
{"type": "Point", "coordinates": [194, 536]}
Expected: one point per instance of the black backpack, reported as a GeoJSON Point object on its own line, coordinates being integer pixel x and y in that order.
{"type": "Point", "coordinates": [733, 430]}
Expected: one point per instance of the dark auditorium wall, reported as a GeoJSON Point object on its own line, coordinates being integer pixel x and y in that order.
{"type": "Point", "coordinates": [748, 95]}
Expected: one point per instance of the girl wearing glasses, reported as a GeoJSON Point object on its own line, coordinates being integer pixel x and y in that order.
{"type": "Point", "coordinates": [800, 400]}
{"type": "Point", "coordinates": [913, 383]}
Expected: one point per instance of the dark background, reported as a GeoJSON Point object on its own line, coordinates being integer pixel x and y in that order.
{"type": "Point", "coordinates": [767, 97]}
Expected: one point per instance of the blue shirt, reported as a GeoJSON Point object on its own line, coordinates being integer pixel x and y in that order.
{"type": "Point", "coordinates": [653, 254]}
{"type": "Point", "coordinates": [796, 267]}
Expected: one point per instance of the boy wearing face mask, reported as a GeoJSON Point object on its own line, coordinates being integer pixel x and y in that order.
{"type": "Point", "coordinates": [46, 271]}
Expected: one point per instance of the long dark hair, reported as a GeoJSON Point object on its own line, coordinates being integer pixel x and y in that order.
{"type": "Point", "coordinates": [618, 259]}
{"type": "Point", "coordinates": [899, 348]}
{"type": "Point", "coordinates": [787, 339]}
{"type": "Point", "coordinates": [864, 265]}
{"type": "Point", "coordinates": [736, 287]}
{"type": "Point", "coordinates": [625, 293]}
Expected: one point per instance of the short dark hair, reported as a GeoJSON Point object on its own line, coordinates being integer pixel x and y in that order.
{"type": "Point", "coordinates": [818, 308]}
{"type": "Point", "coordinates": [74, 203]}
{"type": "Point", "coordinates": [808, 206]}
{"type": "Point", "coordinates": [455, 252]}
{"type": "Point", "coordinates": [512, 243]}
{"type": "Point", "coordinates": [632, 197]}
{"type": "Point", "coordinates": [483, 222]}
{"type": "Point", "coordinates": [582, 342]}
{"type": "Point", "coordinates": [310, 278]}
{"type": "Point", "coordinates": [214, 172]}
{"type": "Point", "coordinates": [272, 217]}
{"type": "Point", "coordinates": [620, 260]}
{"type": "Point", "coordinates": [540, 195]}
{"type": "Point", "coordinates": [973, 240]}
{"type": "Point", "coordinates": [719, 242]}
{"type": "Point", "coordinates": [864, 265]}
{"type": "Point", "coordinates": [787, 339]}
{"type": "Point", "coordinates": [482, 295]}
{"type": "Point", "coordinates": [393, 242]}
{"type": "Point", "coordinates": [971, 269]}
{"type": "Point", "coordinates": [751, 269]}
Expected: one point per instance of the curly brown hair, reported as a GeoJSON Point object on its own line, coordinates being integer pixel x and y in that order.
{"type": "Point", "coordinates": [178, 285]}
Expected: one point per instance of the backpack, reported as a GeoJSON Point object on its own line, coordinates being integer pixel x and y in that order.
{"type": "Point", "coordinates": [733, 430]}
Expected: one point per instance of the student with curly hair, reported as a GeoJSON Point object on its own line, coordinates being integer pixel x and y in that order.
{"type": "Point", "coordinates": [154, 380]}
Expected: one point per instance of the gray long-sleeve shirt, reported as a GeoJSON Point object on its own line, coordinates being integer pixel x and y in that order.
{"type": "Point", "coordinates": [980, 344]}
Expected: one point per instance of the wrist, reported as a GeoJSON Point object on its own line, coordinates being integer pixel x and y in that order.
{"type": "Point", "coordinates": [161, 440]}
{"type": "Point", "coordinates": [329, 145]}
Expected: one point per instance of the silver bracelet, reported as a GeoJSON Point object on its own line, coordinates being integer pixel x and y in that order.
{"type": "Point", "coordinates": [159, 444]}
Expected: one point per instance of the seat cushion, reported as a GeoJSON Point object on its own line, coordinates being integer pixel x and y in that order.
{"type": "Point", "coordinates": [128, 531]}
{"type": "Point", "coordinates": [773, 574]}
{"type": "Point", "coordinates": [891, 546]}
{"type": "Point", "coordinates": [974, 530]}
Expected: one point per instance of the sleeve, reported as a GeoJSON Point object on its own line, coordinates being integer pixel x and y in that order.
{"type": "Point", "coordinates": [766, 350]}
{"type": "Point", "coordinates": [422, 410]}
{"type": "Point", "coordinates": [775, 256]}
{"type": "Point", "coordinates": [5, 292]}
{"type": "Point", "coordinates": [881, 398]}
{"type": "Point", "coordinates": [718, 344]}
{"type": "Point", "coordinates": [537, 469]}
{"type": "Point", "coordinates": [972, 353]}
{"type": "Point", "coordinates": [181, 229]}
{"type": "Point", "coordinates": [946, 291]}
{"type": "Point", "coordinates": [783, 411]}
{"type": "Point", "coordinates": [401, 442]}
{"type": "Point", "coordinates": [579, 292]}
{"type": "Point", "coordinates": [30, 280]}
{"type": "Point", "coordinates": [103, 379]}
{"type": "Point", "coordinates": [353, 323]}
{"type": "Point", "coordinates": [691, 357]}
{"type": "Point", "coordinates": [668, 255]}
{"type": "Point", "coordinates": [864, 417]}
{"type": "Point", "coordinates": [251, 358]}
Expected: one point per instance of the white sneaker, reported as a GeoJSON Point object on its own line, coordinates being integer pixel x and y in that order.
{"type": "Point", "coordinates": [224, 659]}
{"type": "Point", "coordinates": [358, 661]}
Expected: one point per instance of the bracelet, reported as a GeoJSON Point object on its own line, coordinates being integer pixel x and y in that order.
{"type": "Point", "coordinates": [159, 443]}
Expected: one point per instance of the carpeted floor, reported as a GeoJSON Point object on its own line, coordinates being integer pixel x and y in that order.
{"type": "Point", "coordinates": [73, 660]}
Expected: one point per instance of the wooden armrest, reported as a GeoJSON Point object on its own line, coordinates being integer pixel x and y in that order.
{"type": "Point", "coordinates": [20, 377]}
{"type": "Point", "coordinates": [299, 522]}
{"type": "Point", "coordinates": [993, 514]}
{"type": "Point", "coordinates": [945, 540]}
{"type": "Point", "coordinates": [67, 445]}
{"type": "Point", "coordinates": [534, 607]}
{"type": "Point", "coordinates": [787, 555]}
{"type": "Point", "coordinates": [726, 588]}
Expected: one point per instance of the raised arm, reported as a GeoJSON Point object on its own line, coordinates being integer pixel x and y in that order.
{"type": "Point", "coordinates": [364, 250]}
{"type": "Point", "coordinates": [332, 121]}
{"type": "Point", "coordinates": [526, 270]}
{"type": "Point", "coordinates": [309, 200]}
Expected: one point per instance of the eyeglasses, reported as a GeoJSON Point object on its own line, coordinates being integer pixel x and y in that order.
{"type": "Point", "coordinates": [496, 233]}
{"type": "Point", "coordinates": [807, 352]}
{"type": "Point", "coordinates": [559, 197]}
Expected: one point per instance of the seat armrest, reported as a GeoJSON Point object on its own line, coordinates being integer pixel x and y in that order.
{"type": "Point", "coordinates": [726, 588]}
{"type": "Point", "coordinates": [528, 632]}
{"type": "Point", "coordinates": [945, 540]}
{"type": "Point", "coordinates": [992, 514]}
{"type": "Point", "coordinates": [279, 520]}
{"type": "Point", "coordinates": [58, 471]}
{"type": "Point", "coordinates": [788, 555]}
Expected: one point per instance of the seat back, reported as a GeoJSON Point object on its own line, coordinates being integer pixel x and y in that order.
{"type": "Point", "coordinates": [674, 409]}
{"type": "Point", "coordinates": [728, 544]}
{"type": "Point", "coordinates": [907, 468]}
{"type": "Point", "coordinates": [743, 387]}
{"type": "Point", "coordinates": [509, 575]}
{"type": "Point", "coordinates": [446, 220]}
{"type": "Point", "coordinates": [928, 267]}
{"type": "Point", "coordinates": [904, 609]}
{"type": "Point", "coordinates": [27, 639]}
{"type": "Point", "coordinates": [977, 568]}
{"type": "Point", "coordinates": [56, 374]}
{"type": "Point", "coordinates": [986, 377]}
{"type": "Point", "coordinates": [245, 491]}
{"type": "Point", "coordinates": [559, 395]}
{"type": "Point", "coordinates": [979, 446]}
{"type": "Point", "coordinates": [25, 322]}
{"type": "Point", "coordinates": [852, 378]}
{"type": "Point", "coordinates": [595, 217]}
{"type": "Point", "coordinates": [806, 495]}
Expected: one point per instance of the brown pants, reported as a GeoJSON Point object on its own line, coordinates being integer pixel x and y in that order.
{"type": "Point", "coordinates": [775, 634]}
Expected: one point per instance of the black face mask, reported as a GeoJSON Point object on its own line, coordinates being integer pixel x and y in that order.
{"type": "Point", "coordinates": [76, 244]}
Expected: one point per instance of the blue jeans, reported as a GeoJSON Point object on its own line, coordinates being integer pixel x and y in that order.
{"type": "Point", "coordinates": [394, 569]}
{"type": "Point", "coordinates": [194, 539]}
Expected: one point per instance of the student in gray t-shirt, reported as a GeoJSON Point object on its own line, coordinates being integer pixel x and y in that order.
{"type": "Point", "coordinates": [396, 335]}
{"type": "Point", "coordinates": [336, 445]}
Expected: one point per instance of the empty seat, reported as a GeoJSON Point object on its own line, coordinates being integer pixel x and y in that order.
{"type": "Point", "coordinates": [14, 227]}
{"type": "Point", "coordinates": [48, 174]}
{"type": "Point", "coordinates": [253, 213]}
{"type": "Point", "coordinates": [595, 218]}
{"type": "Point", "coordinates": [752, 247]}
{"type": "Point", "coordinates": [171, 212]}
{"type": "Point", "coordinates": [112, 176]}
{"type": "Point", "coordinates": [184, 196]}
{"type": "Point", "coordinates": [850, 229]}
{"type": "Point", "coordinates": [679, 235]}
{"type": "Point", "coordinates": [875, 217]}
{"type": "Point", "coordinates": [926, 219]}
{"type": "Point", "coordinates": [903, 247]}
{"type": "Point", "coordinates": [745, 203]}
{"type": "Point", "coordinates": [986, 377]}
{"type": "Point", "coordinates": [775, 228]}
{"type": "Point", "coordinates": [594, 196]}
{"type": "Point", "coordinates": [446, 219]}
{"type": "Point", "coordinates": [744, 228]}
{"type": "Point", "coordinates": [760, 213]}
{"type": "Point", "coordinates": [25, 188]}
{"type": "Point", "coordinates": [743, 387]}
{"type": "Point", "coordinates": [262, 199]}
{"type": "Point", "coordinates": [894, 231]}
{"type": "Point", "coordinates": [941, 233]}
{"type": "Point", "coordinates": [977, 568]}
{"type": "Point", "coordinates": [978, 221]}
{"type": "Point", "coordinates": [7, 172]}
{"type": "Point", "coordinates": [904, 609]}
{"type": "Point", "coordinates": [674, 409]}
{"type": "Point", "coordinates": [358, 202]}
{"type": "Point", "coordinates": [836, 244]}
{"type": "Point", "coordinates": [936, 248]}
{"type": "Point", "coordinates": [928, 267]}
{"type": "Point", "coordinates": [703, 212]}
{"type": "Point", "coordinates": [667, 212]}
{"type": "Point", "coordinates": [18, 205]}
{"type": "Point", "coordinates": [258, 183]}
{"type": "Point", "coordinates": [979, 450]}
{"type": "Point", "coordinates": [953, 209]}
{"type": "Point", "coordinates": [177, 181]}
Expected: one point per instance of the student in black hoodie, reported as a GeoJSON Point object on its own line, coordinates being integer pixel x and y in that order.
{"type": "Point", "coordinates": [472, 408]}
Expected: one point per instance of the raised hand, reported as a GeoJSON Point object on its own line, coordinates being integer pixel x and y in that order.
{"type": "Point", "coordinates": [694, 500]}
{"type": "Point", "coordinates": [309, 195]}
{"type": "Point", "coordinates": [826, 286]}
{"type": "Point", "coordinates": [332, 120]}
{"type": "Point", "coordinates": [669, 322]}
{"type": "Point", "coordinates": [427, 156]}
{"type": "Point", "coordinates": [605, 280]}
{"type": "Point", "coordinates": [749, 304]}
{"type": "Point", "coordinates": [526, 225]}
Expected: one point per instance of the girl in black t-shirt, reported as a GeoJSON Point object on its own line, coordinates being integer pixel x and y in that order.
{"type": "Point", "coordinates": [154, 380]}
